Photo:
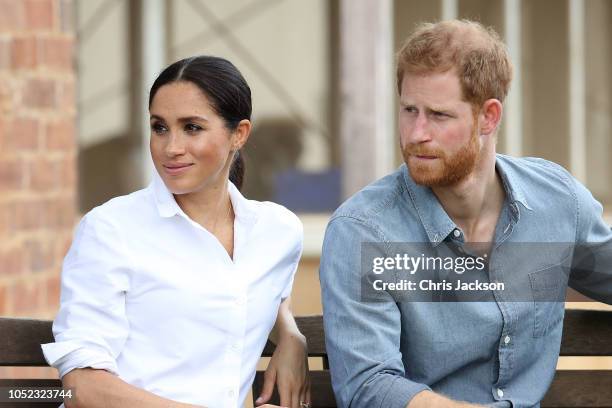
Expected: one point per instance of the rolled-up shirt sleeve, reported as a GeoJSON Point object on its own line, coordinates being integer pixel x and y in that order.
{"type": "Point", "coordinates": [362, 338]}
{"type": "Point", "coordinates": [91, 326]}
{"type": "Point", "coordinates": [591, 272]}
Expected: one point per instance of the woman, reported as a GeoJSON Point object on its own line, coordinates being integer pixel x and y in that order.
{"type": "Point", "coordinates": [169, 293]}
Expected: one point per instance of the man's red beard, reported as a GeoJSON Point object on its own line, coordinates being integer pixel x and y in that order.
{"type": "Point", "coordinates": [445, 170]}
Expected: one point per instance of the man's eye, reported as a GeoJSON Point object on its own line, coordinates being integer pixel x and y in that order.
{"type": "Point", "coordinates": [410, 109]}
{"type": "Point", "coordinates": [439, 114]}
{"type": "Point", "coordinates": [191, 127]}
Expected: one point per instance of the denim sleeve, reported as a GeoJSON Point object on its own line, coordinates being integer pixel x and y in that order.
{"type": "Point", "coordinates": [362, 339]}
{"type": "Point", "coordinates": [592, 263]}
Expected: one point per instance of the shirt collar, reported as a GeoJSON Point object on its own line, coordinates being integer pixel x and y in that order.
{"type": "Point", "coordinates": [168, 207]}
{"type": "Point", "coordinates": [513, 188]}
{"type": "Point", "coordinates": [436, 221]}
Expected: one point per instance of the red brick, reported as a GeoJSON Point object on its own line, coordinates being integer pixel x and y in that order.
{"type": "Point", "coordinates": [38, 255]}
{"type": "Point", "coordinates": [53, 292]}
{"type": "Point", "coordinates": [57, 52]}
{"type": "Point", "coordinates": [11, 174]}
{"type": "Point", "coordinates": [26, 215]}
{"type": "Point", "coordinates": [4, 220]}
{"type": "Point", "coordinates": [67, 96]}
{"type": "Point", "coordinates": [3, 133]}
{"type": "Point", "coordinates": [12, 261]}
{"type": "Point", "coordinates": [11, 17]}
{"type": "Point", "coordinates": [24, 52]}
{"type": "Point", "coordinates": [40, 93]}
{"type": "Point", "coordinates": [6, 98]}
{"type": "Point", "coordinates": [44, 174]}
{"type": "Point", "coordinates": [59, 213]}
{"type": "Point", "coordinates": [23, 135]}
{"type": "Point", "coordinates": [60, 135]}
{"type": "Point", "coordinates": [27, 298]}
{"type": "Point", "coordinates": [39, 14]}
{"type": "Point", "coordinates": [69, 174]}
{"type": "Point", "coordinates": [5, 53]}
{"type": "Point", "coordinates": [3, 301]}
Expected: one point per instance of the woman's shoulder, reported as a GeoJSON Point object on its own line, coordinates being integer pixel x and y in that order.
{"type": "Point", "coordinates": [122, 209]}
{"type": "Point", "coordinates": [276, 214]}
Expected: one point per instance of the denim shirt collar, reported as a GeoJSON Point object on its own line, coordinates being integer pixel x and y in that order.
{"type": "Point", "coordinates": [438, 225]}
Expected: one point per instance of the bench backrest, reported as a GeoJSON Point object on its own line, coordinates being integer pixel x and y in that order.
{"type": "Point", "coordinates": [585, 333]}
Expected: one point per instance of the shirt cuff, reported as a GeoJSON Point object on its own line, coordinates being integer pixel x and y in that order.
{"type": "Point", "coordinates": [401, 391]}
{"type": "Point", "coordinates": [69, 355]}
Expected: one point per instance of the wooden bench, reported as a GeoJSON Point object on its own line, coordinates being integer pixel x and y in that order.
{"type": "Point", "coordinates": [585, 333]}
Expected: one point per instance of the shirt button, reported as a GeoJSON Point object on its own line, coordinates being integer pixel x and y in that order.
{"type": "Point", "coordinates": [230, 393]}
{"type": "Point", "coordinates": [500, 393]}
{"type": "Point", "coordinates": [506, 339]}
{"type": "Point", "coordinates": [457, 233]}
{"type": "Point", "coordinates": [235, 346]}
{"type": "Point", "coordinates": [239, 301]}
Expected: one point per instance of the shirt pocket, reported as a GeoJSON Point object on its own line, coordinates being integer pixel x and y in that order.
{"type": "Point", "coordinates": [548, 291]}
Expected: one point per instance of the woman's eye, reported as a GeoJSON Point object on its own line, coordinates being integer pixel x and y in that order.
{"type": "Point", "coordinates": [192, 127]}
{"type": "Point", "coordinates": [158, 128]}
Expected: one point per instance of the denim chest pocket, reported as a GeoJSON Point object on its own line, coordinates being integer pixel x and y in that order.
{"type": "Point", "coordinates": [548, 290]}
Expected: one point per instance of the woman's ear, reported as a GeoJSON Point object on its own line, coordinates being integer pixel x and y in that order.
{"type": "Point", "coordinates": [490, 116]}
{"type": "Point", "coordinates": [241, 134]}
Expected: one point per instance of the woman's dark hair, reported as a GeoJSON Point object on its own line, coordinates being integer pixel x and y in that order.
{"type": "Point", "coordinates": [224, 86]}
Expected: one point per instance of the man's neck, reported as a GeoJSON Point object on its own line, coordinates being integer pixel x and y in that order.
{"type": "Point", "coordinates": [475, 203]}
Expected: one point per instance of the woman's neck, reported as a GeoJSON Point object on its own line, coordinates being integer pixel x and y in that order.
{"type": "Point", "coordinates": [209, 206]}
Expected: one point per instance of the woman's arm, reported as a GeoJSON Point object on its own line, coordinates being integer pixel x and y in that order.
{"type": "Point", "coordinates": [288, 367]}
{"type": "Point", "coordinates": [99, 388]}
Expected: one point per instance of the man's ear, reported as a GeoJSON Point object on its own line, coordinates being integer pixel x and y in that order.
{"type": "Point", "coordinates": [490, 116]}
{"type": "Point", "coordinates": [241, 134]}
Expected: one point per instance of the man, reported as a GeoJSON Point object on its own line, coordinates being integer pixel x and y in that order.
{"type": "Point", "coordinates": [452, 79]}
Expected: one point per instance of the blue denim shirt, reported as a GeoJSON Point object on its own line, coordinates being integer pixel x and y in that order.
{"type": "Point", "coordinates": [500, 353]}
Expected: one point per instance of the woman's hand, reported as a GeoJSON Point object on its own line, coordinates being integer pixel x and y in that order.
{"type": "Point", "coordinates": [288, 368]}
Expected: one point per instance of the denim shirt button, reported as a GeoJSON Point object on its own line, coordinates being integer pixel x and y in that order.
{"type": "Point", "coordinates": [506, 339]}
{"type": "Point", "coordinates": [457, 233]}
{"type": "Point", "coordinates": [500, 393]}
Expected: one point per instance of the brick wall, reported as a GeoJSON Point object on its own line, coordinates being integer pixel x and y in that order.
{"type": "Point", "coordinates": [37, 152]}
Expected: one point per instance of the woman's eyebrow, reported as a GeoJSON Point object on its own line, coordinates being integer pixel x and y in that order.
{"type": "Point", "coordinates": [192, 118]}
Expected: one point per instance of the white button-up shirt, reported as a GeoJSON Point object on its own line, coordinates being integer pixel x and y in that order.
{"type": "Point", "coordinates": [153, 297]}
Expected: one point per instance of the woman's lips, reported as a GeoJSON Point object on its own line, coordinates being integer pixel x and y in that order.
{"type": "Point", "coordinates": [176, 169]}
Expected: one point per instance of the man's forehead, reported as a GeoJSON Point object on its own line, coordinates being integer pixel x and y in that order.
{"type": "Point", "coordinates": [439, 88]}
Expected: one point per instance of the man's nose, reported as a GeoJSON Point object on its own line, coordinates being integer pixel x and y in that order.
{"type": "Point", "coordinates": [420, 130]}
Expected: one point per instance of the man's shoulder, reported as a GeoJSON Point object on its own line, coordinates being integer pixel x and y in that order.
{"type": "Point", "coordinates": [537, 176]}
{"type": "Point", "coordinates": [370, 201]}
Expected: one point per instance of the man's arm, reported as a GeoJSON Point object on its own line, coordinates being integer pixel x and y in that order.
{"type": "Point", "coordinates": [592, 263]}
{"type": "Point", "coordinates": [429, 399]}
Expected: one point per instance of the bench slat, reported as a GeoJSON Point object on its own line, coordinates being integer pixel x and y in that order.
{"type": "Point", "coordinates": [587, 333]}
{"type": "Point", "coordinates": [580, 388]}
{"type": "Point", "coordinates": [20, 341]}
{"type": "Point", "coordinates": [312, 328]}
